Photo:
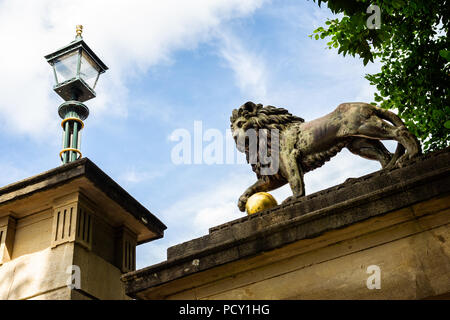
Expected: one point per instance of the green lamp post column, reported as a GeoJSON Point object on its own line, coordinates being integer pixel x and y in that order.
{"type": "Point", "coordinates": [76, 69]}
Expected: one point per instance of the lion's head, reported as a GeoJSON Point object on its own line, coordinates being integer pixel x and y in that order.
{"type": "Point", "coordinates": [255, 116]}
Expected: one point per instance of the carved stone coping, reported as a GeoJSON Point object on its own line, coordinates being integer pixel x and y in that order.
{"type": "Point", "coordinates": [85, 171]}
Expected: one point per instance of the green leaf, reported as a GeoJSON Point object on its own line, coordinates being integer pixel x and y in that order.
{"type": "Point", "coordinates": [412, 79]}
{"type": "Point", "coordinates": [366, 60]}
{"type": "Point", "coordinates": [445, 54]}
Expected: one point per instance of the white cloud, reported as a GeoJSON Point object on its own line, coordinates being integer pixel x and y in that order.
{"type": "Point", "coordinates": [249, 68]}
{"type": "Point", "coordinates": [130, 36]}
{"type": "Point", "coordinates": [222, 212]}
{"type": "Point", "coordinates": [343, 166]}
{"type": "Point", "coordinates": [133, 176]}
{"type": "Point", "coordinates": [151, 253]}
{"type": "Point", "coordinates": [210, 206]}
{"type": "Point", "coordinates": [195, 216]}
{"type": "Point", "coordinates": [192, 215]}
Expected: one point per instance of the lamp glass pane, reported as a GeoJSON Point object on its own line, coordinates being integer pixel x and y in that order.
{"type": "Point", "coordinates": [66, 66]}
{"type": "Point", "coordinates": [89, 70]}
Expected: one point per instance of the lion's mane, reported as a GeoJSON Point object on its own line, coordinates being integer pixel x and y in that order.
{"type": "Point", "coordinates": [268, 117]}
{"type": "Point", "coordinates": [259, 117]}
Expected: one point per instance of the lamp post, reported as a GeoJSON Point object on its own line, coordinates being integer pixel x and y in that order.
{"type": "Point", "coordinates": [76, 69]}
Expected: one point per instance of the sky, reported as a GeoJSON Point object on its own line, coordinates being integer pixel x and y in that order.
{"type": "Point", "coordinates": [171, 64]}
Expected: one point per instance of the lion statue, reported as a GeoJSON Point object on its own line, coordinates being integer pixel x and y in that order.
{"type": "Point", "coordinates": [305, 146]}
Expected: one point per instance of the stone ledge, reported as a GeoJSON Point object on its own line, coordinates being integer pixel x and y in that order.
{"type": "Point", "coordinates": [372, 195]}
{"type": "Point", "coordinates": [370, 187]}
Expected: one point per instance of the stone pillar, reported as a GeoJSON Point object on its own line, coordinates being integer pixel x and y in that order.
{"type": "Point", "coordinates": [70, 233]}
{"type": "Point", "coordinates": [7, 232]}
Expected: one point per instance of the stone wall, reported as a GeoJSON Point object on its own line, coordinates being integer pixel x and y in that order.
{"type": "Point", "coordinates": [321, 246]}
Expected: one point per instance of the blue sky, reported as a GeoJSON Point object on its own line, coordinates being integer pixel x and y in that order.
{"type": "Point", "coordinates": [171, 63]}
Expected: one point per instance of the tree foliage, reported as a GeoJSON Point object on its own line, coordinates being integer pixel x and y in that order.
{"type": "Point", "coordinates": [413, 47]}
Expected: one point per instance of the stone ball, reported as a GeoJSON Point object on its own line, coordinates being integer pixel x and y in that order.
{"type": "Point", "coordinates": [259, 202]}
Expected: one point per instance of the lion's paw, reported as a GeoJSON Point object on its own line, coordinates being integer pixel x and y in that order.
{"type": "Point", "coordinates": [242, 202]}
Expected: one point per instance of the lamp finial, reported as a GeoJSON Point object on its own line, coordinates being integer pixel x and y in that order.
{"type": "Point", "coordinates": [79, 31]}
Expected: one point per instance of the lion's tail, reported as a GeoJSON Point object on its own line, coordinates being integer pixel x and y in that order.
{"type": "Point", "coordinates": [395, 120]}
